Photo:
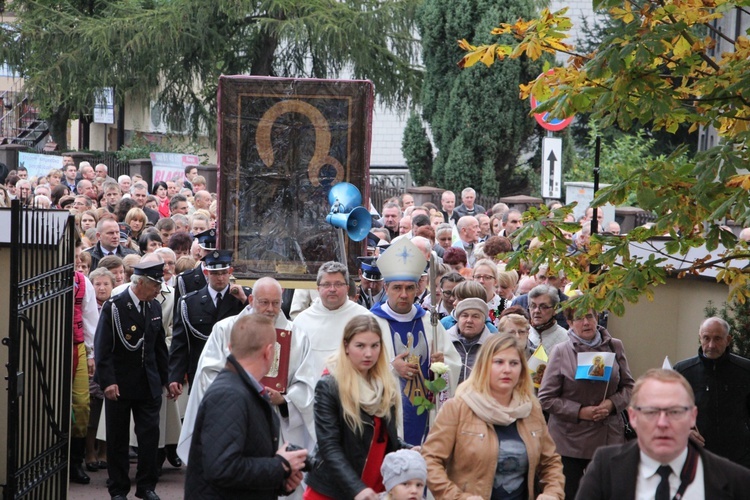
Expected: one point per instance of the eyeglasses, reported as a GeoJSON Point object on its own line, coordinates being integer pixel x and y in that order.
{"type": "Point", "coordinates": [328, 286]}
{"type": "Point", "coordinates": [447, 293]}
{"type": "Point", "coordinates": [541, 307]}
{"type": "Point", "coordinates": [672, 413]}
{"type": "Point", "coordinates": [483, 277]}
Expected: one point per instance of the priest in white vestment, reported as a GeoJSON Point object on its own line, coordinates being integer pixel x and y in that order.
{"type": "Point", "coordinates": [266, 300]}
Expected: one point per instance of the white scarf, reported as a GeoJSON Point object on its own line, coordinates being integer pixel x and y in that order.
{"type": "Point", "coordinates": [370, 397]}
{"type": "Point", "coordinates": [489, 410]}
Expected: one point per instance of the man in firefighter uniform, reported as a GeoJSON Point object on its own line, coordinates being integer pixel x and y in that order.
{"type": "Point", "coordinates": [198, 312]}
{"type": "Point", "coordinates": [131, 366]}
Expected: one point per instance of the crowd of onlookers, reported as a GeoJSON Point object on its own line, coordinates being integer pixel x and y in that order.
{"type": "Point", "coordinates": [165, 215]}
{"type": "Point", "coordinates": [523, 420]}
{"type": "Point", "coordinates": [480, 303]}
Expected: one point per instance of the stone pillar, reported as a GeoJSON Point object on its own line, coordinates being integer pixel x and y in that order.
{"type": "Point", "coordinates": [521, 202]}
{"type": "Point", "coordinates": [423, 194]}
{"type": "Point", "coordinates": [630, 218]}
{"type": "Point", "coordinates": [9, 154]}
{"type": "Point", "coordinates": [210, 173]}
{"type": "Point", "coordinates": [79, 156]}
{"type": "Point", "coordinates": [142, 167]}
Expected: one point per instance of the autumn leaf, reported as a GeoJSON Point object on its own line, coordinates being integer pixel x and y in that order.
{"type": "Point", "coordinates": [741, 181]}
{"type": "Point", "coordinates": [682, 48]}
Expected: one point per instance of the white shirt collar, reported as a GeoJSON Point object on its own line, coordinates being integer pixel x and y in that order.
{"type": "Point", "coordinates": [213, 293]}
{"type": "Point", "coordinates": [649, 465]}
{"type": "Point", "coordinates": [648, 480]}
{"type": "Point", "coordinates": [136, 300]}
{"type": "Point", "coordinates": [401, 318]}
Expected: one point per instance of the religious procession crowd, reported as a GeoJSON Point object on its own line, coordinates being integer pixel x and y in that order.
{"type": "Point", "coordinates": [434, 372]}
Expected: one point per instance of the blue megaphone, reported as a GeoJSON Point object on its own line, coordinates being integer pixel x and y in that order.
{"type": "Point", "coordinates": [347, 213]}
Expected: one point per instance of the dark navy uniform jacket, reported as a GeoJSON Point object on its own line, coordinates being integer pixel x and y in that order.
{"type": "Point", "coordinates": [131, 351]}
{"type": "Point", "coordinates": [194, 317]}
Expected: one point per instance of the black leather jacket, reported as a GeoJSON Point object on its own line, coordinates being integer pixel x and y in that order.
{"type": "Point", "coordinates": [341, 453]}
{"type": "Point", "coordinates": [722, 395]}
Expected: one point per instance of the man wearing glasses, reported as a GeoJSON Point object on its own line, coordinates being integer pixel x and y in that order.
{"type": "Point", "coordinates": [265, 300]}
{"type": "Point", "coordinates": [663, 463]}
{"type": "Point", "coordinates": [447, 284]}
{"type": "Point", "coordinates": [316, 335]}
{"type": "Point", "coordinates": [721, 382]}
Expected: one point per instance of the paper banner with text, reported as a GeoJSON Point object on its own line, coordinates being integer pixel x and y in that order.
{"type": "Point", "coordinates": [595, 366]}
{"type": "Point", "coordinates": [38, 165]}
{"type": "Point", "coordinates": [171, 166]}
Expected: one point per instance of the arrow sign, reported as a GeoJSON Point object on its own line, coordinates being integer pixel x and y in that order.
{"type": "Point", "coordinates": [551, 167]}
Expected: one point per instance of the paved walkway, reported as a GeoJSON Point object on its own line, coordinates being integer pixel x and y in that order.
{"type": "Point", "coordinates": [171, 485]}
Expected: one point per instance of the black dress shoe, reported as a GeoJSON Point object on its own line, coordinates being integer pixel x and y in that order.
{"type": "Point", "coordinates": [172, 457]}
{"type": "Point", "coordinates": [120, 497]}
{"type": "Point", "coordinates": [92, 466]}
{"type": "Point", "coordinates": [147, 495]}
{"type": "Point", "coordinates": [78, 475]}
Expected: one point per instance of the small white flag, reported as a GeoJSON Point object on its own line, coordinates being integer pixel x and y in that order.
{"type": "Point", "coordinates": [666, 365]}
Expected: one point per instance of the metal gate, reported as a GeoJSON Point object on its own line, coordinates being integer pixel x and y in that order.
{"type": "Point", "coordinates": [39, 346]}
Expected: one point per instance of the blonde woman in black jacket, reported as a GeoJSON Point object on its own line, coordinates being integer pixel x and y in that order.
{"type": "Point", "coordinates": [357, 406]}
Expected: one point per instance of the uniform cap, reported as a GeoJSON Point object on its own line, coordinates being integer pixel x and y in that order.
{"type": "Point", "coordinates": [151, 270]}
{"type": "Point", "coordinates": [207, 239]}
{"type": "Point", "coordinates": [218, 260]}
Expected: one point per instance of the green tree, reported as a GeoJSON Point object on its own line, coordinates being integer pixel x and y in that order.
{"type": "Point", "coordinates": [479, 125]}
{"type": "Point", "coordinates": [658, 69]}
{"type": "Point", "coordinates": [176, 49]}
{"type": "Point", "coordinates": [621, 155]}
{"type": "Point", "coordinates": [417, 150]}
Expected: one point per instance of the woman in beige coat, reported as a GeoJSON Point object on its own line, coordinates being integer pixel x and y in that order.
{"type": "Point", "coordinates": [491, 440]}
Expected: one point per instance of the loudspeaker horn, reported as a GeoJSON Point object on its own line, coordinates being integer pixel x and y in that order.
{"type": "Point", "coordinates": [344, 197]}
{"type": "Point", "coordinates": [356, 223]}
{"type": "Point", "coordinates": [347, 213]}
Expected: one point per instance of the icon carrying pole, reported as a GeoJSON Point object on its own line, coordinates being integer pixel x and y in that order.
{"type": "Point", "coordinates": [342, 246]}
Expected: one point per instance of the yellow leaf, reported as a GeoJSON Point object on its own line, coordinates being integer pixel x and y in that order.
{"type": "Point", "coordinates": [682, 48]}
{"type": "Point", "coordinates": [502, 29]}
{"type": "Point", "coordinates": [464, 45]}
{"type": "Point", "coordinates": [489, 56]}
{"type": "Point", "coordinates": [525, 90]}
{"type": "Point", "coordinates": [470, 59]}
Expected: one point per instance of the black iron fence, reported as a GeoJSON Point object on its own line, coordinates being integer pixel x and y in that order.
{"type": "Point", "coordinates": [39, 352]}
{"type": "Point", "coordinates": [386, 183]}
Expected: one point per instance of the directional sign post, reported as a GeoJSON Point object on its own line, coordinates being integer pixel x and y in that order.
{"type": "Point", "coordinates": [551, 167]}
